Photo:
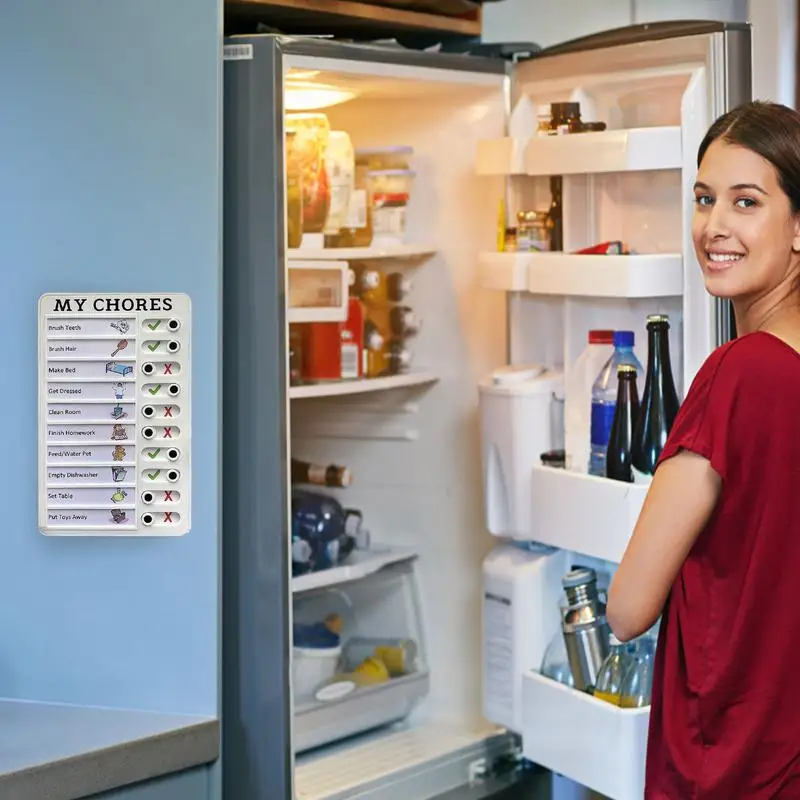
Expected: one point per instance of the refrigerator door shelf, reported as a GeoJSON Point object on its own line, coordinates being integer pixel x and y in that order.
{"type": "Point", "coordinates": [625, 150]}
{"type": "Point", "coordinates": [319, 723]}
{"type": "Point", "coordinates": [584, 739]}
{"type": "Point", "coordinates": [360, 564]}
{"type": "Point", "coordinates": [572, 275]}
{"type": "Point", "coordinates": [583, 513]}
{"type": "Point", "coordinates": [373, 253]}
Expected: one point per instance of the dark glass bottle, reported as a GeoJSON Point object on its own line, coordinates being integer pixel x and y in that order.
{"type": "Point", "coordinates": [659, 402]}
{"type": "Point", "coordinates": [555, 221]}
{"type": "Point", "coordinates": [626, 412]}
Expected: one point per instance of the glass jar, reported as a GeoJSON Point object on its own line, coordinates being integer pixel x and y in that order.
{"type": "Point", "coordinates": [389, 193]}
{"type": "Point", "coordinates": [340, 172]}
{"type": "Point", "coordinates": [533, 231]}
{"type": "Point", "coordinates": [308, 149]}
{"type": "Point", "coordinates": [543, 121]}
{"type": "Point", "coordinates": [357, 230]}
{"type": "Point", "coordinates": [294, 196]}
{"type": "Point", "coordinates": [565, 118]}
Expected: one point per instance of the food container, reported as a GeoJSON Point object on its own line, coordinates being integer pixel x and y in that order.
{"type": "Point", "coordinates": [294, 195]}
{"type": "Point", "coordinates": [312, 667]}
{"type": "Point", "coordinates": [397, 157]}
{"type": "Point", "coordinates": [307, 155]}
{"type": "Point", "coordinates": [357, 228]}
{"type": "Point", "coordinates": [533, 233]}
{"type": "Point", "coordinates": [389, 192]}
{"type": "Point", "coordinates": [340, 171]}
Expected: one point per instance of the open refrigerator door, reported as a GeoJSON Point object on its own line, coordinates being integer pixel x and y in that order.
{"type": "Point", "coordinates": [625, 191]}
{"type": "Point", "coordinates": [365, 301]}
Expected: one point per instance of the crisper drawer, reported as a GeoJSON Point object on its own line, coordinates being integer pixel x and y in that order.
{"type": "Point", "coordinates": [316, 724]}
{"type": "Point", "coordinates": [588, 741]}
{"type": "Point", "coordinates": [318, 291]}
{"type": "Point", "coordinates": [380, 605]}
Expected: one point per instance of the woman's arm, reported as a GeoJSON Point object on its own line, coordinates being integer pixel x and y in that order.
{"type": "Point", "coordinates": [680, 501]}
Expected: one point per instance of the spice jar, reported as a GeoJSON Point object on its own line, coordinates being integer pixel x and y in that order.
{"type": "Point", "coordinates": [308, 149]}
{"type": "Point", "coordinates": [566, 118]}
{"type": "Point", "coordinates": [543, 116]}
{"type": "Point", "coordinates": [533, 231]}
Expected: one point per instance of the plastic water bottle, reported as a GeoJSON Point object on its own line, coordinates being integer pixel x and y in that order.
{"type": "Point", "coordinates": [604, 398]}
{"type": "Point", "coordinates": [578, 397]}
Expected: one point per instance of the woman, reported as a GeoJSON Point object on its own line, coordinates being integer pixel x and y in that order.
{"type": "Point", "coordinates": [716, 550]}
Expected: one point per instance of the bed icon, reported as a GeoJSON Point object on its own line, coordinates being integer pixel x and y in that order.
{"type": "Point", "coordinates": [118, 369]}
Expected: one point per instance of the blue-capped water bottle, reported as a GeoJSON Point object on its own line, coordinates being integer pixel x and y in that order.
{"type": "Point", "coordinates": [604, 398]}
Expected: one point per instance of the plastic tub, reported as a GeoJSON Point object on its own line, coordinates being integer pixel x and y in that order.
{"type": "Point", "coordinates": [389, 193]}
{"type": "Point", "coordinates": [385, 157]}
{"type": "Point", "coordinates": [313, 666]}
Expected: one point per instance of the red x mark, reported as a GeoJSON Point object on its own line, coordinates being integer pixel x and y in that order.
{"type": "Point", "coordinates": [167, 516]}
{"type": "Point", "coordinates": [167, 433]}
{"type": "Point", "coordinates": [168, 369]}
{"type": "Point", "coordinates": [168, 497]}
{"type": "Point", "coordinates": [167, 411]}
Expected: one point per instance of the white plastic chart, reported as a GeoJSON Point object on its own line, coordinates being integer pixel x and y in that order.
{"type": "Point", "coordinates": [115, 414]}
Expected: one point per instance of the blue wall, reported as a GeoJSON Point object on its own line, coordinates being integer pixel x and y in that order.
{"type": "Point", "coordinates": [109, 181]}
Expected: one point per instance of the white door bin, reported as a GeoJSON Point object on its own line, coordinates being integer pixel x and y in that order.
{"type": "Point", "coordinates": [584, 739]}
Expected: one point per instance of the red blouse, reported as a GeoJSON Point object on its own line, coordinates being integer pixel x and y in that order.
{"type": "Point", "coordinates": [725, 719]}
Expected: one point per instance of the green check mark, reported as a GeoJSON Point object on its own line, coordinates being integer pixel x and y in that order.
{"type": "Point", "coordinates": [154, 346]}
{"type": "Point", "coordinates": [154, 453]}
{"type": "Point", "coordinates": [154, 389]}
{"type": "Point", "coordinates": [153, 325]}
{"type": "Point", "coordinates": [153, 475]}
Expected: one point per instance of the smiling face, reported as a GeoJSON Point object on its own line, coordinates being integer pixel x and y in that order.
{"type": "Point", "coordinates": [744, 230]}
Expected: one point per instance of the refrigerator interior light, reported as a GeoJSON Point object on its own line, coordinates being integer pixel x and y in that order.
{"type": "Point", "coordinates": [308, 96]}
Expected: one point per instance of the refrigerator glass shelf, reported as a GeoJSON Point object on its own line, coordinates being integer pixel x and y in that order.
{"type": "Point", "coordinates": [372, 253]}
{"type": "Point", "coordinates": [361, 564]}
{"type": "Point", "coordinates": [339, 388]}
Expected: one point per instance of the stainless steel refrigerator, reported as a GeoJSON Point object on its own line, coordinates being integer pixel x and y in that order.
{"type": "Point", "coordinates": [415, 440]}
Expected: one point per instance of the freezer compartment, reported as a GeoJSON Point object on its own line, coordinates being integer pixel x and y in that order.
{"type": "Point", "coordinates": [318, 291]}
{"type": "Point", "coordinates": [567, 274]}
{"type": "Point", "coordinates": [589, 515]}
{"type": "Point", "coordinates": [584, 739]}
{"type": "Point", "coordinates": [380, 609]}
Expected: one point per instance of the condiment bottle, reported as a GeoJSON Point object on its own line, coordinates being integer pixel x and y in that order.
{"type": "Point", "coordinates": [659, 405]}
{"type": "Point", "coordinates": [566, 118]}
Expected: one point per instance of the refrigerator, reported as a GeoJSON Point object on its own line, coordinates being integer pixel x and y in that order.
{"type": "Point", "coordinates": [446, 467]}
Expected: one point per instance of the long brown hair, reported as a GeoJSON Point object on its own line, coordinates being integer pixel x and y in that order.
{"type": "Point", "coordinates": [770, 130]}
